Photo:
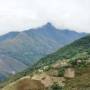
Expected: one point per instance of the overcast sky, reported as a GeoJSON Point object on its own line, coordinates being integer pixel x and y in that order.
{"type": "Point", "coordinates": [18, 15]}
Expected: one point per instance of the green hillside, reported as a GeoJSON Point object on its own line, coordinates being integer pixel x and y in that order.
{"type": "Point", "coordinates": [77, 51]}
{"type": "Point", "coordinates": [80, 49]}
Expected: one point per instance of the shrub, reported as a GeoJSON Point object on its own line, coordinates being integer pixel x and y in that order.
{"type": "Point", "coordinates": [55, 86]}
{"type": "Point", "coordinates": [61, 72]}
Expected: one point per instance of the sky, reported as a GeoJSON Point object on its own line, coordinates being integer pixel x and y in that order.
{"type": "Point", "coordinates": [19, 15]}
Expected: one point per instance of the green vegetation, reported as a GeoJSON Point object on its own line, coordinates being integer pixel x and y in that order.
{"type": "Point", "coordinates": [55, 86]}
{"type": "Point", "coordinates": [61, 72]}
{"type": "Point", "coordinates": [78, 54]}
{"type": "Point", "coordinates": [79, 50]}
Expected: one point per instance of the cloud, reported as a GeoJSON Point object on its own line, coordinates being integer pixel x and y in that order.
{"type": "Point", "coordinates": [17, 15]}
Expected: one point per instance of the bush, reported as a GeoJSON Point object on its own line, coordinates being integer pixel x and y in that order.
{"type": "Point", "coordinates": [55, 86]}
{"type": "Point", "coordinates": [61, 72]}
{"type": "Point", "coordinates": [78, 63]}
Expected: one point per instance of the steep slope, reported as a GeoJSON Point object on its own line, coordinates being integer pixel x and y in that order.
{"type": "Point", "coordinates": [76, 56]}
{"type": "Point", "coordinates": [76, 50]}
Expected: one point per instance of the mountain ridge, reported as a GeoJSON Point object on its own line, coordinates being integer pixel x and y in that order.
{"type": "Point", "coordinates": [29, 46]}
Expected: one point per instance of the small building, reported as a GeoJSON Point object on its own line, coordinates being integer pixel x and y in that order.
{"type": "Point", "coordinates": [69, 73]}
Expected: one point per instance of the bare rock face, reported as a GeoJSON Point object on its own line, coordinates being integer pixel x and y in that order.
{"type": "Point", "coordinates": [69, 73]}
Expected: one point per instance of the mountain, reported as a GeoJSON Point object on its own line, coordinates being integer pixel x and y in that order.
{"type": "Point", "coordinates": [23, 49]}
{"type": "Point", "coordinates": [77, 51]}
{"type": "Point", "coordinates": [8, 36]}
{"type": "Point", "coordinates": [10, 65]}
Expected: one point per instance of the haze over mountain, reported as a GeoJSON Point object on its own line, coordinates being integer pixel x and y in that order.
{"type": "Point", "coordinates": [19, 50]}
{"type": "Point", "coordinates": [17, 15]}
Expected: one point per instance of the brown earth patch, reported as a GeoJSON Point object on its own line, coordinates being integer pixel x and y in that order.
{"type": "Point", "coordinates": [28, 84]}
